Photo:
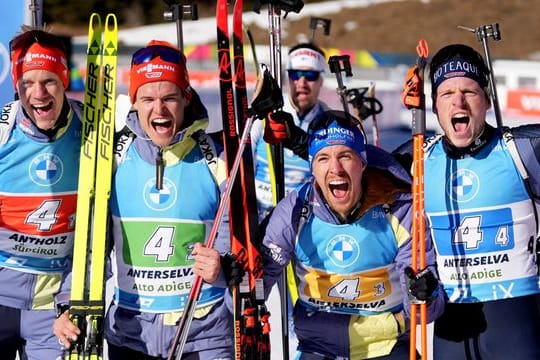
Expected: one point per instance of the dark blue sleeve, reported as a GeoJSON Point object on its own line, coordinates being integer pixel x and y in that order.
{"type": "Point", "coordinates": [527, 138]}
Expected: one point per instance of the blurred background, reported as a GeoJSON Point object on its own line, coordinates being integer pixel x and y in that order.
{"type": "Point", "coordinates": [380, 36]}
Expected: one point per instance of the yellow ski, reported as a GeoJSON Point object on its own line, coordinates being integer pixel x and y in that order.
{"type": "Point", "coordinates": [87, 305]}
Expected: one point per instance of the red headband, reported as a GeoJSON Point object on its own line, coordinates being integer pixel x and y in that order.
{"type": "Point", "coordinates": [158, 69]}
{"type": "Point", "coordinates": [38, 57]}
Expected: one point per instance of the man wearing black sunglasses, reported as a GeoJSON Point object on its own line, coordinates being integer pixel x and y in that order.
{"type": "Point", "coordinates": [305, 69]}
{"type": "Point", "coordinates": [164, 200]}
{"type": "Point", "coordinates": [40, 137]}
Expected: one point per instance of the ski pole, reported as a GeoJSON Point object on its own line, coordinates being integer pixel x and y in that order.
{"type": "Point", "coordinates": [35, 9]}
{"type": "Point", "coordinates": [276, 158]}
{"type": "Point", "coordinates": [418, 222]}
{"type": "Point", "coordinates": [483, 33]}
{"type": "Point", "coordinates": [316, 22]}
{"type": "Point", "coordinates": [375, 127]}
{"type": "Point", "coordinates": [177, 12]}
{"type": "Point", "coordinates": [181, 335]}
{"type": "Point", "coordinates": [339, 64]}
{"type": "Point", "coordinates": [277, 162]}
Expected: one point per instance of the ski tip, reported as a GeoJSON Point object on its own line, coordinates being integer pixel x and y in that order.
{"type": "Point", "coordinates": [95, 23]}
{"type": "Point", "coordinates": [110, 22]}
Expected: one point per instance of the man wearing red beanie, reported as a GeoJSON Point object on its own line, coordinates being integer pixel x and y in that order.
{"type": "Point", "coordinates": [39, 162]}
{"type": "Point", "coordinates": [164, 200]}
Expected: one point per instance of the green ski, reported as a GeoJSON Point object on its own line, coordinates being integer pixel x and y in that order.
{"type": "Point", "coordinates": [87, 305]}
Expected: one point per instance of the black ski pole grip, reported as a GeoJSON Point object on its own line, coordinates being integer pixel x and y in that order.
{"type": "Point", "coordinates": [339, 64]}
{"type": "Point", "coordinates": [483, 33]}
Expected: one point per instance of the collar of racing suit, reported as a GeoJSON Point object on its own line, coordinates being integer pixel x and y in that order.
{"type": "Point", "coordinates": [455, 152]}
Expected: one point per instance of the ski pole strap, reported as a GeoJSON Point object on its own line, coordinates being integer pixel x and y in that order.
{"type": "Point", "coordinates": [365, 105]}
{"type": "Point", "coordinates": [267, 96]}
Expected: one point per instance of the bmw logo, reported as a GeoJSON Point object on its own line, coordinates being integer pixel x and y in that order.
{"type": "Point", "coordinates": [161, 199]}
{"type": "Point", "coordinates": [46, 169]}
{"type": "Point", "coordinates": [343, 250]}
{"type": "Point", "coordinates": [463, 185]}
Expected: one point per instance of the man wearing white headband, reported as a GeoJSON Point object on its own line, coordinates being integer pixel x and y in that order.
{"type": "Point", "coordinates": [305, 68]}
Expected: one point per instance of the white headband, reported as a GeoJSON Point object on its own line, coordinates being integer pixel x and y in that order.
{"type": "Point", "coordinates": [303, 58]}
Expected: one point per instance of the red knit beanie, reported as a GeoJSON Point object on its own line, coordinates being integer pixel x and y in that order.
{"type": "Point", "coordinates": [39, 57]}
{"type": "Point", "coordinates": [158, 69]}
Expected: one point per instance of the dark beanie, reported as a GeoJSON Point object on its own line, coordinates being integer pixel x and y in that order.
{"type": "Point", "coordinates": [457, 60]}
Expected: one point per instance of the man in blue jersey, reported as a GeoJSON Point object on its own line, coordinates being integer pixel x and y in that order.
{"type": "Point", "coordinates": [348, 234]}
{"type": "Point", "coordinates": [481, 186]}
{"type": "Point", "coordinates": [305, 69]}
{"type": "Point", "coordinates": [481, 197]}
{"type": "Point", "coordinates": [164, 199]}
{"type": "Point", "coordinates": [40, 137]}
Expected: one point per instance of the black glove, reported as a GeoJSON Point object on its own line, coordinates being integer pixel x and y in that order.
{"type": "Point", "coordinates": [422, 286]}
{"type": "Point", "coordinates": [232, 268]}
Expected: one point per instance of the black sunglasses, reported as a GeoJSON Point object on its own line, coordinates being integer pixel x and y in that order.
{"type": "Point", "coordinates": [310, 75]}
{"type": "Point", "coordinates": [149, 53]}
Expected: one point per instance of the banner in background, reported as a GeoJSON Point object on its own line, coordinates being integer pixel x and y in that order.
{"type": "Point", "coordinates": [523, 102]}
{"type": "Point", "coordinates": [14, 16]}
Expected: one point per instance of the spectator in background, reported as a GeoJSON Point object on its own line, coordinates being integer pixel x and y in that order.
{"type": "Point", "coordinates": [305, 68]}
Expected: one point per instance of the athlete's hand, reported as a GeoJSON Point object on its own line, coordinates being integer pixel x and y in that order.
{"type": "Point", "coordinates": [411, 96]}
{"type": "Point", "coordinates": [207, 263]}
{"type": "Point", "coordinates": [277, 127]}
{"type": "Point", "coordinates": [422, 286]}
{"type": "Point", "coordinates": [65, 330]}
{"type": "Point", "coordinates": [232, 268]}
